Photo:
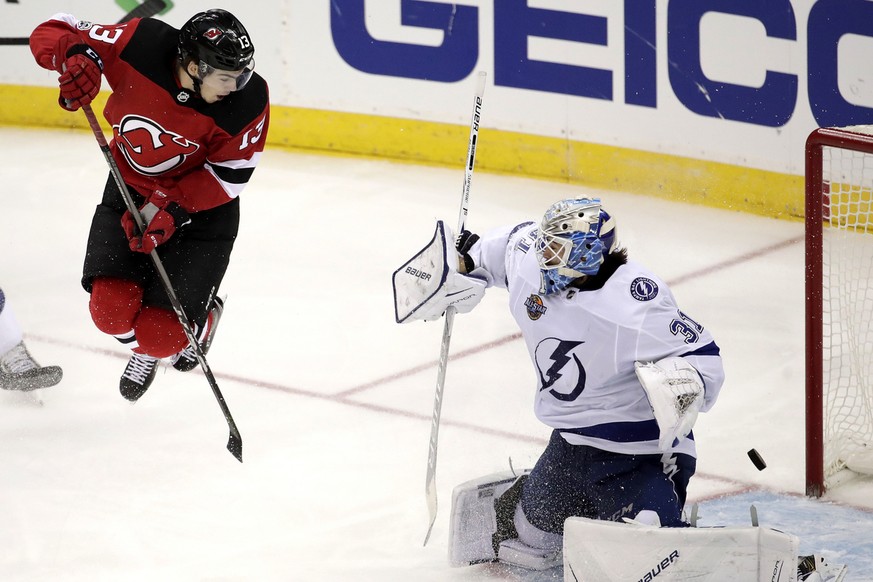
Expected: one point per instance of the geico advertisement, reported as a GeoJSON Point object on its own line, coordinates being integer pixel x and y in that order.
{"type": "Point", "coordinates": [735, 81]}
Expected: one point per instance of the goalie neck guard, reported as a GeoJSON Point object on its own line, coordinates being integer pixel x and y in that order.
{"type": "Point", "coordinates": [574, 237]}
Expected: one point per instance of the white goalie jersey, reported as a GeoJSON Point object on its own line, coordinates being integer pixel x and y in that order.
{"type": "Point", "coordinates": [584, 344]}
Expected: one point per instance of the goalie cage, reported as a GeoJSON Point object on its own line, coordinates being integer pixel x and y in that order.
{"type": "Point", "coordinates": [839, 305]}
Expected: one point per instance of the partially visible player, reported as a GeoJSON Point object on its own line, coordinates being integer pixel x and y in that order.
{"type": "Point", "coordinates": [189, 118]}
{"type": "Point", "coordinates": [18, 369]}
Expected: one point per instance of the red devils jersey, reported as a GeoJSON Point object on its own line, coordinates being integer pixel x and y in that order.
{"type": "Point", "coordinates": [164, 137]}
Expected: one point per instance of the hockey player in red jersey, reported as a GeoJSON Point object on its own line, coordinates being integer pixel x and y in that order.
{"type": "Point", "coordinates": [189, 120]}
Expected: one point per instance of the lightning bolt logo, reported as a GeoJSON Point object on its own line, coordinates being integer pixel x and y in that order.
{"type": "Point", "coordinates": [559, 362]}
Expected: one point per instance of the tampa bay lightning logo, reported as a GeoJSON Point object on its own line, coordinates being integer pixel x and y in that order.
{"type": "Point", "coordinates": [556, 361]}
{"type": "Point", "coordinates": [643, 289]}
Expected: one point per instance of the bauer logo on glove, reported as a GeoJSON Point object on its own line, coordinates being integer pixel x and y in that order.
{"type": "Point", "coordinates": [429, 283]}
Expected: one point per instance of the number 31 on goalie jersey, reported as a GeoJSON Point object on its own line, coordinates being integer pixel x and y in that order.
{"type": "Point", "coordinates": [687, 327]}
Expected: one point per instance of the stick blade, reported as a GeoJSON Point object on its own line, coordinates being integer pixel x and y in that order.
{"type": "Point", "coordinates": [430, 491]}
{"type": "Point", "coordinates": [234, 445]}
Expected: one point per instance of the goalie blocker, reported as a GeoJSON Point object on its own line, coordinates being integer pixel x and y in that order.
{"type": "Point", "coordinates": [429, 283]}
{"type": "Point", "coordinates": [675, 392]}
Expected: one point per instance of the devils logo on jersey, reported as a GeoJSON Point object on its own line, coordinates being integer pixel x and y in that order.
{"type": "Point", "coordinates": [149, 148]}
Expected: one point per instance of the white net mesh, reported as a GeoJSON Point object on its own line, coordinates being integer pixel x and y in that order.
{"type": "Point", "coordinates": [847, 306]}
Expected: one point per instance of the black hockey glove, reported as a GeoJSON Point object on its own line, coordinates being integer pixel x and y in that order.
{"type": "Point", "coordinates": [465, 242]}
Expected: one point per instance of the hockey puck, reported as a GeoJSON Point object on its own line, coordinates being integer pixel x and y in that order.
{"type": "Point", "coordinates": [757, 459]}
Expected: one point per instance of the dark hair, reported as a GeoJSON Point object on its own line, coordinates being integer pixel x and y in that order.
{"type": "Point", "coordinates": [610, 265]}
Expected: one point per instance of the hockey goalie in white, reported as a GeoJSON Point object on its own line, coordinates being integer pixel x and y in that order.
{"type": "Point", "coordinates": [621, 375]}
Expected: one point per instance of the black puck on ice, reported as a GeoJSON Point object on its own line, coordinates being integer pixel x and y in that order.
{"type": "Point", "coordinates": [757, 459]}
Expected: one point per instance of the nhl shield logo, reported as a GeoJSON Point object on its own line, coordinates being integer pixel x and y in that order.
{"type": "Point", "coordinates": [535, 307]}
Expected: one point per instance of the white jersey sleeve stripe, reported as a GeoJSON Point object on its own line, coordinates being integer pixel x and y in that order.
{"type": "Point", "coordinates": [233, 175]}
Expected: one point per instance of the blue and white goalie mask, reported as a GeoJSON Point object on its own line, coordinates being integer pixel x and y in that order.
{"type": "Point", "coordinates": [574, 237]}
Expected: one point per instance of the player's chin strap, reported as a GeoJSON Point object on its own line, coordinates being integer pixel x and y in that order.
{"type": "Point", "coordinates": [196, 80]}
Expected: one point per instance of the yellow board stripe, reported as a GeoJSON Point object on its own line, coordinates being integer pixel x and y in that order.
{"type": "Point", "coordinates": [586, 164]}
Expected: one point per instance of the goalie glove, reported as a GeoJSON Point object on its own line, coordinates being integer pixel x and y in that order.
{"type": "Point", "coordinates": [675, 392]}
{"type": "Point", "coordinates": [460, 291]}
{"type": "Point", "coordinates": [429, 283]}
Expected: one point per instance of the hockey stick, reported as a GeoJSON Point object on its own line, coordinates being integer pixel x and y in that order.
{"type": "Point", "coordinates": [430, 484]}
{"type": "Point", "coordinates": [147, 9]}
{"type": "Point", "coordinates": [234, 441]}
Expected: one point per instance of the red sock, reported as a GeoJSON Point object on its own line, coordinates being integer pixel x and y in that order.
{"type": "Point", "coordinates": [114, 304]}
{"type": "Point", "coordinates": [159, 332]}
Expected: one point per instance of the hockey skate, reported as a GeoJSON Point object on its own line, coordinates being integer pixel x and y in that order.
{"type": "Point", "coordinates": [186, 360]}
{"type": "Point", "coordinates": [814, 568]}
{"type": "Point", "coordinates": [138, 376]}
{"type": "Point", "coordinates": [19, 371]}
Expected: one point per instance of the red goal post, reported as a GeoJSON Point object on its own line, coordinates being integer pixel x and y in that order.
{"type": "Point", "coordinates": [839, 305]}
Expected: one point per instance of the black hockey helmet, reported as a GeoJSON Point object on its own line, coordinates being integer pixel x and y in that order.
{"type": "Point", "coordinates": [218, 39]}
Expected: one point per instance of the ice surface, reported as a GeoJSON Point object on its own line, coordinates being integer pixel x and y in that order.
{"type": "Point", "coordinates": [333, 399]}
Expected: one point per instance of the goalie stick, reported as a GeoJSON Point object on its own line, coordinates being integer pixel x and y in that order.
{"type": "Point", "coordinates": [234, 441]}
{"type": "Point", "coordinates": [430, 483]}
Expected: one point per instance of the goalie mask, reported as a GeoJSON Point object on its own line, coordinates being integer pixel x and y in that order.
{"type": "Point", "coordinates": [574, 237]}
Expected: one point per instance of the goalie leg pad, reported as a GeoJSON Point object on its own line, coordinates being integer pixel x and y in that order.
{"type": "Point", "coordinates": [534, 537]}
{"type": "Point", "coordinates": [603, 550]}
{"type": "Point", "coordinates": [516, 553]}
{"type": "Point", "coordinates": [479, 521]}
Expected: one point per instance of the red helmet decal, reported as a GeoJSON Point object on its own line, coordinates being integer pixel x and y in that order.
{"type": "Point", "coordinates": [212, 34]}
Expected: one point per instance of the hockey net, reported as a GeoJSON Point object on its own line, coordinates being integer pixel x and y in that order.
{"type": "Point", "coordinates": [839, 305]}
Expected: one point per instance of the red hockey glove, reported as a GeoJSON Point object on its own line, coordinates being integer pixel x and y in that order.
{"type": "Point", "coordinates": [80, 77]}
{"type": "Point", "coordinates": [161, 223]}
